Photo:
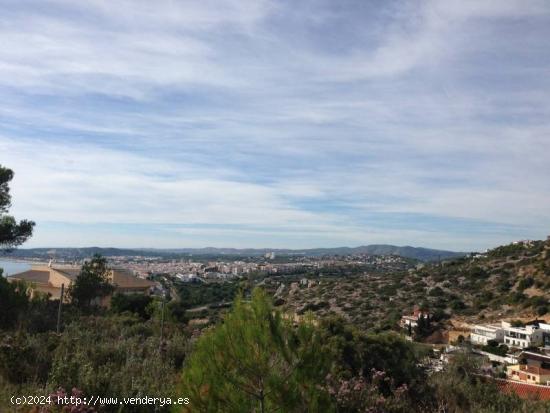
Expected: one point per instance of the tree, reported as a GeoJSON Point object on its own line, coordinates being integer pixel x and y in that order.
{"type": "Point", "coordinates": [136, 304]}
{"type": "Point", "coordinates": [373, 372]}
{"type": "Point", "coordinates": [91, 283]}
{"type": "Point", "coordinates": [13, 296]}
{"type": "Point", "coordinates": [257, 361]}
{"type": "Point", "coordinates": [423, 327]}
{"type": "Point", "coordinates": [14, 299]}
{"type": "Point", "coordinates": [460, 388]}
{"type": "Point", "coordinates": [12, 233]}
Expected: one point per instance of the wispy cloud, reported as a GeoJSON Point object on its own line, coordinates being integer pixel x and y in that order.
{"type": "Point", "coordinates": [253, 123]}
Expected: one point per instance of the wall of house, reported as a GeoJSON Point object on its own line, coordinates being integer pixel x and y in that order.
{"type": "Point", "coordinates": [56, 279]}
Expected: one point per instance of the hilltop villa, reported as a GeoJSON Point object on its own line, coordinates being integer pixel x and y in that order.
{"type": "Point", "coordinates": [411, 321]}
{"type": "Point", "coordinates": [48, 279]}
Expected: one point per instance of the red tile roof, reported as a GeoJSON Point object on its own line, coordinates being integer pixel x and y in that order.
{"type": "Point", "coordinates": [524, 390]}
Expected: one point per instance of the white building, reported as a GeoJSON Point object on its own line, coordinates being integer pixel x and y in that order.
{"type": "Point", "coordinates": [482, 334]}
{"type": "Point", "coordinates": [523, 337]}
{"type": "Point", "coordinates": [411, 321]}
{"type": "Point", "coordinates": [519, 337]}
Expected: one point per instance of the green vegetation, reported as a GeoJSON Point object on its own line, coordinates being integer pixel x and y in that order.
{"type": "Point", "coordinates": [510, 281]}
{"type": "Point", "coordinates": [13, 301]}
{"type": "Point", "coordinates": [12, 233]}
{"type": "Point", "coordinates": [136, 304]}
{"type": "Point", "coordinates": [494, 348]}
{"type": "Point", "coordinates": [193, 295]}
{"type": "Point", "coordinates": [107, 356]}
{"type": "Point", "coordinates": [101, 353]}
{"type": "Point", "coordinates": [92, 284]}
{"type": "Point", "coordinates": [257, 361]}
{"type": "Point", "coordinates": [337, 355]}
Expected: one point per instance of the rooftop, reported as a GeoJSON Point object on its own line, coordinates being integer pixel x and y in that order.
{"type": "Point", "coordinates": [523, 390]}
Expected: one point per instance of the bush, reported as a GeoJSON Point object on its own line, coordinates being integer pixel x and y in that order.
{"type": "Point", "coordinates": [136, 304]}
{"type": "Point", "coordinates": [14, 300]}
{"type": "Point", "coordinates": [517, 298]}
{"type": "Point", "coordinates": [525, 283]}
{"type": "Point", "coordinates": [494, 348]}
{"type": "Point", "coordinates": [177, 312]}
{"type": "Point", "coordinates": [436, 292]}
{"type": "Point", "coordinates": [458, 305]}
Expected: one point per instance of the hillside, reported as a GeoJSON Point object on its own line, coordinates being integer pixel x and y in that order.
{"type": "Point", "coordinates": [511, 281]}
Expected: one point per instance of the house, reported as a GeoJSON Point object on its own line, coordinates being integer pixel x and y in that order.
{"type": "Point", "coordinates": [482, 334]}
{"type": "Point", "coordinates": [48, 279]}
{"type": "Point", "coordinates": [532, 368]}
{"type": "Point", "coordinates": [522, 337]}
{"type": "Point", "coordinates": [411, 321]}
{"type": "Point", "coordinates": [531, 335]}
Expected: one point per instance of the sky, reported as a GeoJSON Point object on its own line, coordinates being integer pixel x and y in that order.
{"type": "Point", "coordinates": [278, 124]}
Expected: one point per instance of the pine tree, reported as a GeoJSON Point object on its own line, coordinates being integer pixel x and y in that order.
{"type": "Point", "coordinates": [257, 361]}
{"type": "Point", "coordinates": [13, 296]}
{"type": "Point", "coordinates": [12, 233]}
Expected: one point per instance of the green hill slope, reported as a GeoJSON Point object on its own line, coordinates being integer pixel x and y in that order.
{"type": "Point", "coordinates": [511, 281]}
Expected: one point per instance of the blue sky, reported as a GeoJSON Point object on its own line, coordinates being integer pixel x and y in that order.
{"type": "Point", "coordinates": [277, 123]}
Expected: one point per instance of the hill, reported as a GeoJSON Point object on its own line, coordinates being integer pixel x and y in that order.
{"type": "Point", "coordinates": [511, 281]}
{"type": "Point", "coordinates": [422, 254]}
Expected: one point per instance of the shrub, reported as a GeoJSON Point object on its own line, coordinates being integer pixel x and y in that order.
{"type": "Point", "coordinates": [541, 310]}
{"type": "Point", "coordinates": [136, 304]}
{"type": "Point", "coordinates": [525, 283]}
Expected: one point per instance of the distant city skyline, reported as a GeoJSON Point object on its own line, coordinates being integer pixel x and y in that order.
{"type": "Point", "coordinates": [277, 124]}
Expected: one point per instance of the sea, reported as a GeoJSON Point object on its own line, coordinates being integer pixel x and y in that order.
{"type": "Point", "coordinates": [13, 267]}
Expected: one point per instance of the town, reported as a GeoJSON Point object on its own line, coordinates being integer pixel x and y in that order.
{"type": "Point", "coordinates": [514, 353]}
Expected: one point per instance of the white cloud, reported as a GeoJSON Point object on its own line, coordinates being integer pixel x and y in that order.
{"type": "Point", "coordinates": [227, 113]}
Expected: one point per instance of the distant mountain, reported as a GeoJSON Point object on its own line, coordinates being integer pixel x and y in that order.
{"type": "Point", "coordinates": [422, 254]}
{"type": "Point", "coordinates": [75, 253]}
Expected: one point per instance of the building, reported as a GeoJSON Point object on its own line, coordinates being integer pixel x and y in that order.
{"type": "Point", "coordinates": [523, 337]}
{"type": "Point", "coordinates": [532, 368]}
{"type": "Point", "coordinates": [411, 321]}
{"type": "Point", "coordinates": [482, 334]}
{"type": "Point", "coordinates": [48, 279]}
{"type": "Point", "coordinates": [532, 335]}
